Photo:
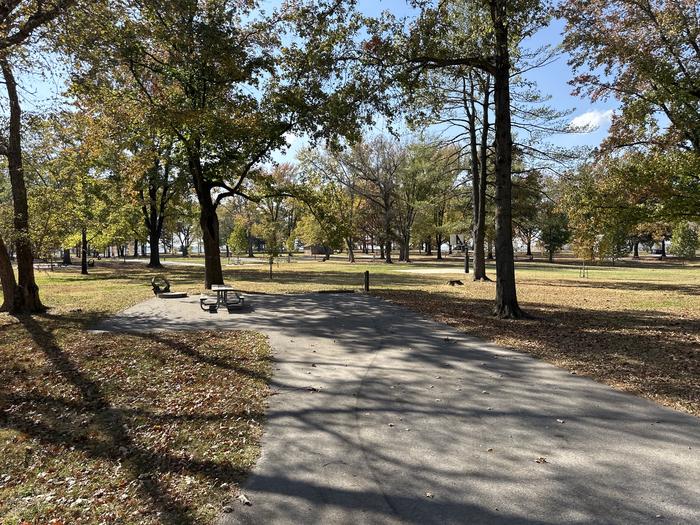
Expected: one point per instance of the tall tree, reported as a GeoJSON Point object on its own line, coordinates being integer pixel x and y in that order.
{"type": "Point", "coordinates": [231, 82]}
{"type": "Point", "coordinates": [375, 166]}
{"type": "Point", "coordinates": [25, 298]}
{"type": "Point", "coordinates": [21, 21]}
{"type": "Point", "coordinates": [484, 36]}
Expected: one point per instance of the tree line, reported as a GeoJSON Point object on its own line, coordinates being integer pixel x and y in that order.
{"type": "Point", "coordinates": [174, 110]}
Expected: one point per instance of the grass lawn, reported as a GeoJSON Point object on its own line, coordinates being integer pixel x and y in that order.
{"type": "Point", "coordinates": [141, 429]}
{"type": "Point", "coordinates": [103, 428]}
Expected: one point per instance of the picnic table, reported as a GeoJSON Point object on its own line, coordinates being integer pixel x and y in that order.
{"type": "Point", "coordinates": [225, 296]}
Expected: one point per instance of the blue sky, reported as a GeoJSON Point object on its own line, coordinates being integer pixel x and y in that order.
{"type": "Point", "coordinates": [552, 80]}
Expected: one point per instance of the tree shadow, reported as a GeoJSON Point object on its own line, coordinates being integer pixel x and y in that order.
{"type": "Point", "coordinates": [651, 353]}
{"type": "Point", "coordinates": [85, 419]}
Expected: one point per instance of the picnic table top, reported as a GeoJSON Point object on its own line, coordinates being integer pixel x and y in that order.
{"type": "Point", "coordinates": [222, 287]}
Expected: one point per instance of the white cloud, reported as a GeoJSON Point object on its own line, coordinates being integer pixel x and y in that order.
{"type": "Point", "coordinates": [591, 120]}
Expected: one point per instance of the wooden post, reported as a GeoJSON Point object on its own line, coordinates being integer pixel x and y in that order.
{"type": "Point", "coordinates": [367, 281]}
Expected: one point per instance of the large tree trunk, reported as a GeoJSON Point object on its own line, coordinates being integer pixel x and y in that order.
{"type": "Point", "coordinates": [28, 300]}
{"type": "Point", "coordinates": [407, 247]}
{"type": "Point", "coordinates": [7, 277]}
{"type": "Point", "coordinates": [429, 246]}
{"type": "Point", "coordinates": [506, 297]}
{"type": "Point", "coordinates": [83, 252]}
{"type": "Point", "coordinates": [154, 243]}
{"type": "Point", "coordinates": [208, 221]}
{"type": "Point", "coordinates": [636, 250]}
{"type": "Point", "coordinates": [438, 242]}
{"type": "Point", "coordinates": [387, 252]}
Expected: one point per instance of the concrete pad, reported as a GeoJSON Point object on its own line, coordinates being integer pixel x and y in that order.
{"type": "Point", "coordinates": [381, 416]}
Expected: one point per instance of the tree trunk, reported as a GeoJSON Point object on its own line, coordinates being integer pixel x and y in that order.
{"type": "Point", "coordinates": [250, 245]}
{"type": "Point", "coordinates": [66, 257]}
{"type": "Point", "coordinates": [529, 247]}
{"type": "Point", "coordinates": [154, 243]}
{"type": "Point", "coordinates": [551, 256]}
{"type": "Point", "coordinates": [636, 250]}
{"type": "Point", "coordinates": [381, 250]}
{"type": "Point", "coordinates": [387, 236]}
{"type": "Point", "coordinates": [479, 180]}
{"type": "Point", "coordinates": [83, 252]}
{"type": "Point", "coordinates": [208, 219]}
{"type": "Point", "coordinates": [489, 254]}
{"type": "Point", "coordinates": [136, 248]}
{"type": "Point", "coordinates": [438, 242]}
{"type": "Point", "coordinates": [407, 248]}
{"type": "Point", "coordinates": [10, 290]}
{"type": "Point", "coordinates": [209, 222]}
{"type": "Point", "coordinates": [506, 297]}
{"type": "Point", "coordinates": [351, 251]}
{"type": "Point", "coordinates": [663, 248]}
{"type": "Point", "coordinates": [429, 247]}
{"type": "Point", "coordinates": [387, 252]}
{"type": "Point", "coordinates": [28, 300]}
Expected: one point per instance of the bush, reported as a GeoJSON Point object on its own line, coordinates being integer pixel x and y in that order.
{"type": "Point", "coordinates": [684, 240]}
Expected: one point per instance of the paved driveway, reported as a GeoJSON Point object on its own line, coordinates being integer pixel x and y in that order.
{"type": "Point", "coordinates": [381, 416]}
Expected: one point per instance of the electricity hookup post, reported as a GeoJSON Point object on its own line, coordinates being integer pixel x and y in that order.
{"type": "Point", "coordinates": [367, 281]}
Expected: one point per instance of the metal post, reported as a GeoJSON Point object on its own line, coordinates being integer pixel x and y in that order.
{"type": "Point", "coordinates": [367, 281]}
{"type": "Point", "coordinates": [466, 257]}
